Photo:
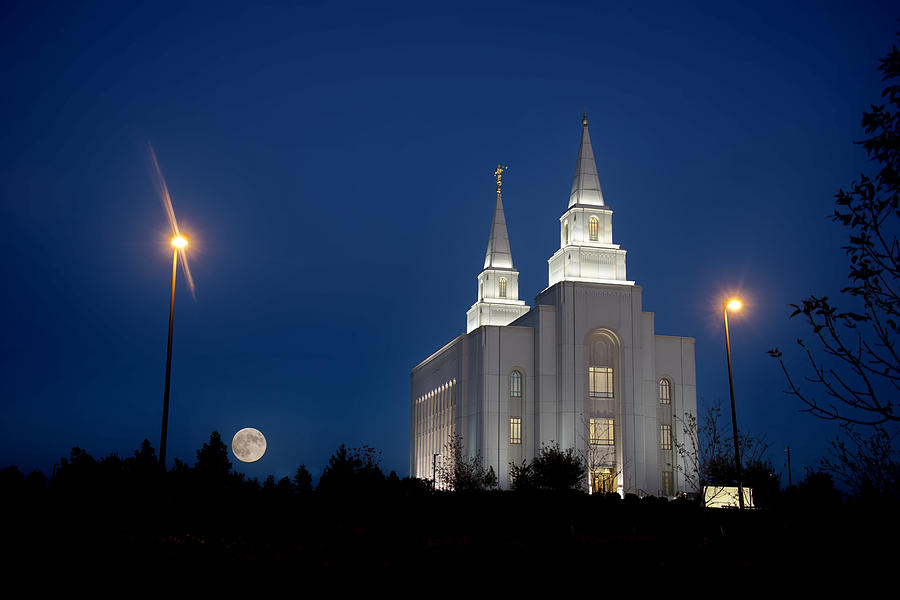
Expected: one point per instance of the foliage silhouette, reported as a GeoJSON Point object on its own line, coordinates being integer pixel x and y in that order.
{"type": "Point", "coordinates": [706, 457]}
{"type": "Point", "coordinates": [303, 480]}
{"type": "Point", "coordinates": [552, 469]}
{"type": "Point", "coordinates": [353, 470]}
{"type": "Point", "coordinates": [212, 466]}
{"type": "Point", "coordinates": [457, 472]}
{"type": "Point", "coordinates": [858, 380]}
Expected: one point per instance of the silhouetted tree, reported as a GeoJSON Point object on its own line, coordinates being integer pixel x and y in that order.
{"type": "Point", "coordinates": [858, 379]}
{"type": "Point", "coordinates": [303, 480]}
{"type": "Point", "coordinates": [458, 472]}
{"type": "Point", "coordinates": [284, 487]}
{"type": "Point", "coordinates": [866, 463]}
{"type": "Point", "coordinates": [352, 470]}
{"type": "Point", "coordinates": [522, 476]}
{"type": "Point", "coordinates": [11, 479]}
{"type": "Point", "coordinates": [816, 489]}
{"type": "Point", "coordinates": [706, 456]}
{"type": "Point", "coordinates": [212, 464]}
{"type": "Point", "coordinates": [558, 469]}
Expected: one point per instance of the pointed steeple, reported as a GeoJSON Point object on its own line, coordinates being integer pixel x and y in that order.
{"type": "Point", "coordinates": [498, 255]}
{"type": "Point", "coordinates": [498, 283]}
{"type": "Point", "coordinates": [586, 185]}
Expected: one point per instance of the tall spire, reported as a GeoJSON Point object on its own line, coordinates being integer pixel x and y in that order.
{"type": "Point", "coordinates": [498, 254]}
{"type": "Point", "coordinates": [586, 185]}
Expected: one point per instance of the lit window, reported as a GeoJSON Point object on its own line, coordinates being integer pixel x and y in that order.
{"type": "Point", "coordinates": [665, 391]}
{"type": "Point", "coordinates": [515, 430]}
{"type": "Point", "coordinates": [502, 286]}
{"type": "Point", "coordinates": [594, 229]}
{"type": "Point", "coordinates": [603, 481]}
{"type": "Point", "coordinates": [602, 432]}
{"type": "Point", "coordinates": [600, 382]}
{"type": "Point", "coordinates": [665, 437]}
{"type": "Point", "coordinates": [668, 483]}
{"type": "Point", "coordinates": [515, 384]}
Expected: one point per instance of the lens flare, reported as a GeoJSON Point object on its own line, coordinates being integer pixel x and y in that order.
{"type": "Point", "coordinates": [178, 240]}
{"type": "Point", "coordinates": [734, 304]}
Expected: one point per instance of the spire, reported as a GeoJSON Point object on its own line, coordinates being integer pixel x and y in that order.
{"type": "Point", "coordinates": [498, 255]}
{"type": "Point", "coordinates": [586, 185]}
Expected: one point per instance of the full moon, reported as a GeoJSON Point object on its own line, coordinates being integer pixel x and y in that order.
{"type": "Point", "coordinates": [248, 445]}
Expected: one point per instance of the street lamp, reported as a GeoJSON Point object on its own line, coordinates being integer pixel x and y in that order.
{"type": "Point", "coordinates": [179, 242]}
{"type": "Point", "coordinates": [733, 304]}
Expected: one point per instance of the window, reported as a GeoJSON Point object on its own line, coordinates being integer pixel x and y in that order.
{"type": "Point", "coordinates": [603, 481]}
{"type": "Point", "coordinates": [668, 483]}
{"type": "Point", "coordinates": [602, 432]}
{"type": "Point", "coordinates": [665, 391]}
{"type": "Point", "coordinates": [566, 232]}
{"type": "Point", "coordinates": [665, 437]}
{"type": "Point", "coordinates": [515, 384]}
{"type": "Point", "coordinates": [515, 430]}
{"type": "Point", "coordinates": [594, 229]}
{"type": "Point", "coordinates": [600, 382]}
{"type": "Point", "coordinates": [502, 285]}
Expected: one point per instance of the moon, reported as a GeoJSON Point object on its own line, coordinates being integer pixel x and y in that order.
{"type": "Point", "coordinates": [248, 445]}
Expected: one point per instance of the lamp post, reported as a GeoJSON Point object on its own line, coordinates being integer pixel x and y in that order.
{"type": "Point", "coordinates": [434, 469]}
{"type": "Point", "coordinates": [178, 242]}
{"type": "Point", "coordinates": [733, 304]}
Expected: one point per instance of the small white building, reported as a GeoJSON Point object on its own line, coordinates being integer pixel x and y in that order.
{"type": "Point", "coordinates": [584, 368]}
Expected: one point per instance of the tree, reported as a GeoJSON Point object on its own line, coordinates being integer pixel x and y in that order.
{"type": "Point", "coordinates": [458, 472]}
{"type": "Point", "coordinates": [706, 457]}
{"type": "Point", "coordinates": [352, 470]}
{"type": "Point", "coordinates": [303, 480]}
{"type": "Point", "coordinates": [552, 469]}
{"type": "Point", "coordinates": [212, 464]}
{"type": "Point", "coordinates": [866, 464]}
{"type": "Point", "coordinates": [558, 469]}
{"type": "Point", "coordinates": [858, 379]}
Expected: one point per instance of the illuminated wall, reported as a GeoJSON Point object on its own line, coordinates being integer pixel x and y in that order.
{"type": "Point", "coordinates": [588, 359]}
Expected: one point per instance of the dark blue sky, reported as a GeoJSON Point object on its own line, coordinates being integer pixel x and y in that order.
{"type": "Point", "coordinates": [333, 164]}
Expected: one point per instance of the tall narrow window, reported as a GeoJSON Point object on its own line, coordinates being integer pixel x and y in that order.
{"type": "Point", "coordinates": [665, 391]}
{"type": "Point", "coordinates": [594, 229]}
{"type": "Point", "coordinates": [602, 432]}
{"type": "Point", "coordinates": [600, 382]}
{"type": "Point", "coordinates": [502, 287]}
{"type": "Point", "coordinates": [665, 437]}
{"type": "Point", "coordinates": [515, 384]}
{"type": "Point", "coordinates": [566, 232]}
{"type": "Point", "coordinates": [668, 483]}
{"type": "Point", "coordinates": [515, 430]}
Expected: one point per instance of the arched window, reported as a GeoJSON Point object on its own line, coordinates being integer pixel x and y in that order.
{"type": "Point", "coordinates": [665, 391]}
{"type": "Point", "coordinates": [566, 233]}
{"type": "Point", "coordinates": [515, 384]}
{"type": "Point", "coordinates": [594, 229]}
{"type": "Point", "coordinates": [502, 287]}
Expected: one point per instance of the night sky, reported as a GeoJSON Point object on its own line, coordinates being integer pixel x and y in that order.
{"type": "Point", "coordinates": [333, 164]}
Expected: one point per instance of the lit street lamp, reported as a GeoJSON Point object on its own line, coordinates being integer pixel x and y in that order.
{"type": "Point", "coordinates": [178, 242]}
{"type": "Point", "coordinates": [733, 304]}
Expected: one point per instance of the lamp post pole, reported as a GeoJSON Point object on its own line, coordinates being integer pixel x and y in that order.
{"type": "Point", "coordinates": [177, 242]}
{"type": "Point", "coordinates": [434, 469]}
{"type": "Point", "coordinates": [735, 304]}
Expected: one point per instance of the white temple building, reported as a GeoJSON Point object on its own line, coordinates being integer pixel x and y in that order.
{"type": "Point", "coordinates": [584, 368]}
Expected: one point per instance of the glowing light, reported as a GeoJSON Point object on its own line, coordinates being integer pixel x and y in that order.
{"type": "Point", "coordinates": [734, 304]}
{"type": "Point", "coordinates": [166, 199]}
{"type": "Point", "coordinates": [179, 241]}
